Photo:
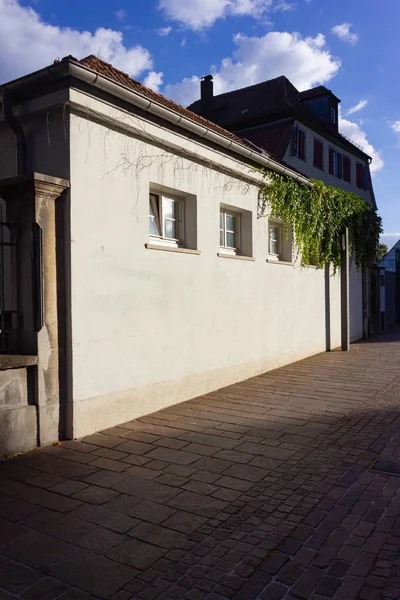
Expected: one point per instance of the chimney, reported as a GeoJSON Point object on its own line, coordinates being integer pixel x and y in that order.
{"type": "Point", "coordinates": [206, 93]}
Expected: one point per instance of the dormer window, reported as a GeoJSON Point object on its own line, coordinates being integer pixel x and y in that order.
{"type": "Point", "coordinates": [333, 115]}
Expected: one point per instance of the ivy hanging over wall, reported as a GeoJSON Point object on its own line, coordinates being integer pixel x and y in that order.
{"type": "Point", "coordinates": [318, 215]}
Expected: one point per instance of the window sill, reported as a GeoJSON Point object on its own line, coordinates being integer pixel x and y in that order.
{"type": "Point", "coordinates": [273, 261]}
{"type": "Point", "coordinates": [236, 256]}
{"type": "Point", "coordinates": [310, 266]}
{"type": "Point", "coordinates": [172, 249]}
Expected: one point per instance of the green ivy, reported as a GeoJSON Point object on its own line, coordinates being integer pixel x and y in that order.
{"type": "Point", "coordinates": [318, 215]}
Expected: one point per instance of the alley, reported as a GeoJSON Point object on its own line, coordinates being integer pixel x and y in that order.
{"type": "Point", "coordinates": [266, 489]}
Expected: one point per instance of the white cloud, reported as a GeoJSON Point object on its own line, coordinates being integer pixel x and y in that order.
{"type": "Point", "coordinates": [359, 106]}
{"type": "Point", "coordinates": [390, 239]}
{"type": "Point", "coordinates": [153, 80]}
{"type": "Point", "coordinates": [305, 61]}
{"type": "Point", "coordinates": [354, 132]}
{"type": "Point", "coordinates": [164, 31]}
{"type": "Point", "coordinates": [343, 33]}
{"type": "Point", "coordinates": [195, 14]}
{"type": "Point", "coordinates": [28, 43]}
{"type": "Point", "coordinates": [284, 6]}
{"type": "Point", "coordinates": [121, 15]}
{"type": "Point", "coordinates": [395, 126]}
{"type": "Point", "coordinates": [185, 92]}
{"type": "Point", "coordinates": [199, 14]}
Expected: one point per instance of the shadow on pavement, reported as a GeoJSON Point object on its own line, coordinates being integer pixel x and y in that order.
{"type": "Point", "coordinates": [263, 489]}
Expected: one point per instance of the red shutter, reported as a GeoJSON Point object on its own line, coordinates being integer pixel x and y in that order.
{"type": "Point", "coordinates": [359, 175]}
{"type": "Point", "coordinates": [302, 145]}
{"type": "Point", "coordinates": [318, 154]}
{"type": "Point", "coordinates": [331, 160]}
{"type": "Point", "coordinates": [347, 169]}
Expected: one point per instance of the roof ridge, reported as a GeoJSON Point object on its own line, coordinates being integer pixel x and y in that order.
{"type": "Point", "coordinates": [247, 87]}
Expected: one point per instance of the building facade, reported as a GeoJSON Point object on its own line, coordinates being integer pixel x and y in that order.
{"type": "Point", "coordinates": [391, 261]}
{"type": "Point", "coordinates": [299, 128]}
{"type": "Point", "coordinates": [390, 275]}
{"type": "Point", "coordinates": [145, 272]}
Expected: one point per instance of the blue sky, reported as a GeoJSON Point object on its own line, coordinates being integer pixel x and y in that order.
{"type": "Point", "coordinates": [351, 46]}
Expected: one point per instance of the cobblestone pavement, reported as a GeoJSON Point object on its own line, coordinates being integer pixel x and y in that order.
{"type": "Point", "coordinates": [263, 490]}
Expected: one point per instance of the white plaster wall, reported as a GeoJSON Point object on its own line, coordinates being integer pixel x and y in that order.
{"type": "Point", "coordinates": [307, 166]}
{"type": "Point", "coordinates": [151, 328]}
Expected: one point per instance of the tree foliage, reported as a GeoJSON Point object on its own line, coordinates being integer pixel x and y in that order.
{"type": "Point", "coordinates": [380, 252]}
{"type": "Point", "coordinates": [318, 215]}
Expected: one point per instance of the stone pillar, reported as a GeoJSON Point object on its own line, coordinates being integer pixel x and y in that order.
{"type": "Point", "coordinates": [48, 342]}
{"type": "Point", "coordinates": [31, 201]}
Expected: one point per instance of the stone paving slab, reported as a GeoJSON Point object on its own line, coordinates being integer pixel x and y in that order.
{"type": "Point", "coordinates": [261, 490]}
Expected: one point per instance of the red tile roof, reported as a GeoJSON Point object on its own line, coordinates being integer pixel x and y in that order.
{"type": "Point", "coordinates": [99, 66]}
{"type": "Point", "coordinates": [273, 137]}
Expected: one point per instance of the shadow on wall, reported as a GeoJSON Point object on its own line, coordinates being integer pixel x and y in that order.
{"type": "Point", "coordinates": [327, 309]}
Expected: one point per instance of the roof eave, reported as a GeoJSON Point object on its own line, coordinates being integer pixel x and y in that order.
{"type": "Point", "coordinates": [71, 67]}
{"type": "Point", "coordinates": [52, 72]}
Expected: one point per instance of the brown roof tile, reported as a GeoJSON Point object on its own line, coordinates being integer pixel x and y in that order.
{"type": "Point", "coordinates": [271, 137]}
{"type": "Point", "coordinates": [99, 66]}
{"type": "Point", "coordinates": [235, 109]}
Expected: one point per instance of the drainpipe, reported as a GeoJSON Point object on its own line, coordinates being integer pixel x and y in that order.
{"type": "Point", "coordinates": [365, 307]}
{"type": "Point", "coordinates": [344, 289]}
{"type": "Point", "coordinates": [18, 130]}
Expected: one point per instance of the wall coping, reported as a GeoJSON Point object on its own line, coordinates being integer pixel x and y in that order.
{"type": "Point", "coordinates": [33, 178]}
{"type": "Point", "coordinates": [16, 361]}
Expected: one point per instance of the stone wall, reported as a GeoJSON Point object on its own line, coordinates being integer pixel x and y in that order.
{"type": "Point", "coordinates": [18, 422]}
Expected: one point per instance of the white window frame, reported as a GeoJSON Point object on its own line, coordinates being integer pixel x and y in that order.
{"type": "Point", "coordinates": [156, 201]}
{"type": "Point", "coordinates": [336, 163]}
{"type": "Point", "coordinates": [297, 153]}
{"type": "Point", "coordinates": [225, 249]}
{"type": "Point", "coordinates": [333, 115]}
{"type": "Point", "coordinates": [279, 226]}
